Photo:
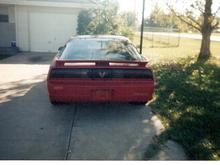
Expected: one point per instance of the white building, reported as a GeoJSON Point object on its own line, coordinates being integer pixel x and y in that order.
{"type": "Point", "coordinates": [39, 25]}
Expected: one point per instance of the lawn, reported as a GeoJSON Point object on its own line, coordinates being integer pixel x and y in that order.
{"type": "Point", "coordinates": [216, 34]}
{"type": "Point", "coordinates": [187, 97]}
{"type": "Point", "coordinates": [162, 53]}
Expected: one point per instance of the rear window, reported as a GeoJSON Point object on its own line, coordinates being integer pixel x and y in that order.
{"type": "Point", "coordinates": [104, 49]}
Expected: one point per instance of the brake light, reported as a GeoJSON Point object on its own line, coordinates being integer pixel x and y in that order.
{"type": "Point", "coordinates": [80, 64]}
{"type": "Point", "coordinates": [123, 64]}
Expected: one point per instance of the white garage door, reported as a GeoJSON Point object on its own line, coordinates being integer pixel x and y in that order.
{"type": "Point", "coordinates": [50, 30]}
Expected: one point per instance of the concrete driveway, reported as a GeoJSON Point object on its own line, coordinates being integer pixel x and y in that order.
{"type": "Point", "coordinates": [31, 128]}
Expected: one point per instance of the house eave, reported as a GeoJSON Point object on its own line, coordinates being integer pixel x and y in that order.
{"type": "Point", "coordinates": [49, 4]}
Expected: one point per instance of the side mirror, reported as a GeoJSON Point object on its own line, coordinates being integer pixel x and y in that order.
{"type": "Point", "coordinates": [60, 48]}
{"type": "Point", "coordinates": [60, 51]}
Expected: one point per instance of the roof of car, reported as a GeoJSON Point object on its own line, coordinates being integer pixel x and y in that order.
{"type": "Point", "coordinates": [113, 37]}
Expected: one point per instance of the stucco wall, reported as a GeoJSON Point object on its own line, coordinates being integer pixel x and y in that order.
{"type": "Point", "coordinates": [7, 34]}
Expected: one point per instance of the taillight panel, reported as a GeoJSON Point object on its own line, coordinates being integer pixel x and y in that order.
{"type": "Point", "coordinates": [100, 73]}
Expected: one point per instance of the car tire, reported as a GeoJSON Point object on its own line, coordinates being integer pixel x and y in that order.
{"type": "Point", "coordinates": [54, 102]}
{"type": "Point", "coordinates": [139, 103]}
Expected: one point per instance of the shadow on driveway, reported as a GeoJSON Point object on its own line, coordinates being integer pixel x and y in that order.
{"type": "Point", "coordinates": [29, 58]}
{"type": "Point", "coordinates": [31, 128]}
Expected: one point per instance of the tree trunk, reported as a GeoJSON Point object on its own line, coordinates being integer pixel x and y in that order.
{"type": "Point", "coordinates": [205, 52]}
{"type": "Point", "coordinates": [206, 31]}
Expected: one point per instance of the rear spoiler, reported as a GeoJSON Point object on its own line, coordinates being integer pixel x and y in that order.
{"type": "Point", "coordinates": [71, 63]}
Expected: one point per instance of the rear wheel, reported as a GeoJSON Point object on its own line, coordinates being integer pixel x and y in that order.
{"type": "Point", "coordinates": [139, 103]}
{"type": "Point", "coordinates": [54, 102]}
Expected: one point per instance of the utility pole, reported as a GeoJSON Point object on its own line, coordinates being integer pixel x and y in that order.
{"type": "Point", "coordinates": [142, 27]}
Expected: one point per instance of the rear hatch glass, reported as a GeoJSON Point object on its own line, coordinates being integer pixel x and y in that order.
{"type": "Point", "coordinates": [100, 49]}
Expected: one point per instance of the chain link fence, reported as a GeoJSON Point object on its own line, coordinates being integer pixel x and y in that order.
{"type": "Point", "coordinates": [162, 37]}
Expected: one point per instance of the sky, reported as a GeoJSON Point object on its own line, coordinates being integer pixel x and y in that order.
{"type": "Point", "coordinates": [136, 5]}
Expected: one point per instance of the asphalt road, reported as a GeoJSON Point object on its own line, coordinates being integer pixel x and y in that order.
{"type": "Point", "coordinates": [32, 128]}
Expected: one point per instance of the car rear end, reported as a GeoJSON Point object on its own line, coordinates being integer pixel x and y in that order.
{"type": "Point", "coordinates": [100, 81]}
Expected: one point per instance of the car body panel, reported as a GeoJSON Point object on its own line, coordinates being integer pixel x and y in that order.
{"type": "Point", "coordinates": [100, 90]}
{"type": "Point", "coordinates": [100, 80]}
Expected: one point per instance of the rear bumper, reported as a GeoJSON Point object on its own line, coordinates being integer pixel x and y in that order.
{"type": "Point", "coordinates": [87, 90]}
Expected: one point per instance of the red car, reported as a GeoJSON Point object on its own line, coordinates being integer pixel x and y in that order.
{"type": "Point", "coordinates": [100, 69]}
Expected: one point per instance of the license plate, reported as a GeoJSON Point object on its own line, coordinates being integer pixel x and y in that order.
{"type": "Point", "coordinates": [102, 95]}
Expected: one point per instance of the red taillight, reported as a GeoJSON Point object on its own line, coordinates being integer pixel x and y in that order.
{"type": "Point", "coordinates": [100, 73]}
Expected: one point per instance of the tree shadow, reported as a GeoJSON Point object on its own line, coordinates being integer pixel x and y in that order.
{"type": "Point", "coordinates": [11, 90]}
{"type": "Point", "coordinates": [188, 102]}
{"type": "Point", "coordinates": [33, 129]}
{"type": "Point", "coordinates": [34, 58]}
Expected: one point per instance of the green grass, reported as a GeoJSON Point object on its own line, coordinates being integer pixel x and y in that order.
{"type": "Point", "coordinates": [187, 97]}
{"type": "Point", "coordinates": [216, 34]}
{"type": "Point", "coordinates": [188, 102]}
{"type": "Point", "coordinates": [161, 53]}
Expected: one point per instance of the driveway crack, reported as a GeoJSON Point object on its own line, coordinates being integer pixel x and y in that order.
{"type": "Point", "coordinates": [68, 150]}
